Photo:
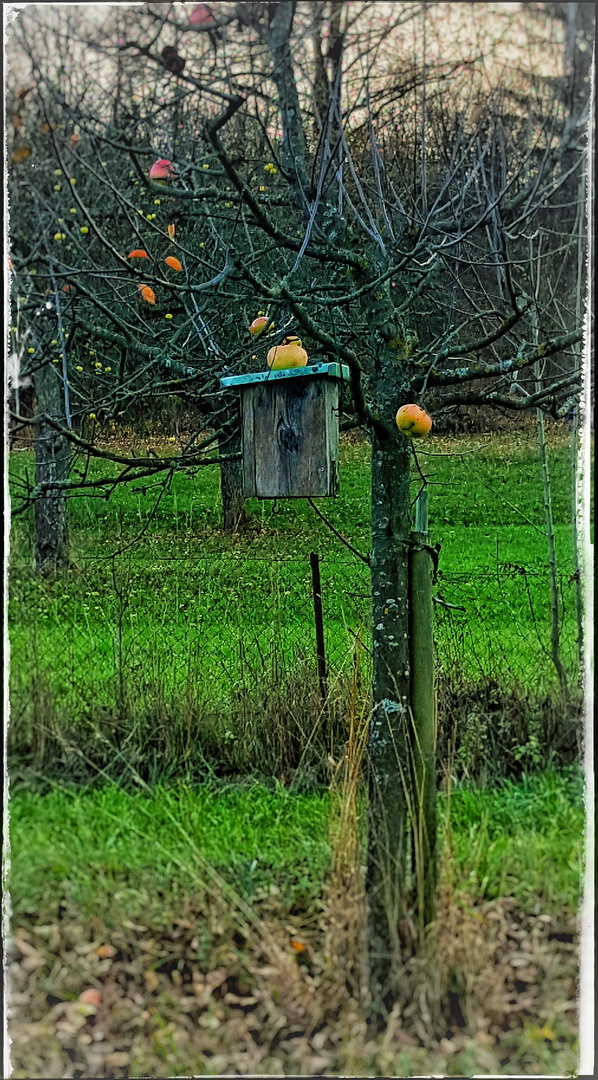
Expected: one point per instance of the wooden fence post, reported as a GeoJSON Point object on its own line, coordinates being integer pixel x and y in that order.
{"type": "Point", "coordinates": [423, 709]}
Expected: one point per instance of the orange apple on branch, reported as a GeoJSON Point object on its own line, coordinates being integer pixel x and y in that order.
{"type": "Point", "coordinates": [290, 354]}
{"type": "Point", "coordinates": [413, 421]}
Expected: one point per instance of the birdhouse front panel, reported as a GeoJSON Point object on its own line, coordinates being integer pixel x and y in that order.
{"type": "Point", "coordinates": [290, 429]}
{"type": "Point", "coordinates": [290, 438]}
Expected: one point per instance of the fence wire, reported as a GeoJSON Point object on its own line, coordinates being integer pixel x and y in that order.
{"type": "Point", "coordinates": [223, 625]}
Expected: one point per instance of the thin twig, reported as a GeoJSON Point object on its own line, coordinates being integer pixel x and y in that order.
{"type": "Point", "coordinates": [364, 558]}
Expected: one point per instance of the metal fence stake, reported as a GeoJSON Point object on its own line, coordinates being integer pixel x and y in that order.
{"type": "Point", "coordinates": [314, 560]}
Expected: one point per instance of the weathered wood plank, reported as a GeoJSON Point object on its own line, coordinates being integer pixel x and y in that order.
{"type": "Point", "coordinates": [290, 438]}
{"type": "Point", "coordinates": [249, 487]}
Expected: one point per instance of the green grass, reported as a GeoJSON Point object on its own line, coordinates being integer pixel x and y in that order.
{"type": "Point", "coordinates": [113, 853]}
{"type": "Point", "coordinates": [195, 601]}
{"type": "Point", "coordinates": [131, 868]}
{"type": "Point", "coordinates": [522, 839]}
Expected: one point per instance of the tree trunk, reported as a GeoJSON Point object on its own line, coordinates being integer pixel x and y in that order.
{"type": "Point", "coordinates": [580, 30]}
{"type": "Point", "coordinates": [320, 86]}
{"type": "Point", "coordinates": [575, 442]}
{"type": "Point", "coordinates": [391, 789]}
{"type": "Point", "coordinates": [231, 482]}
{"type": "Point", "coordinates": [576, 486]}
{"type": "Point", "coordinates": [52, 462]}
{"type": "Point", "coordinates": [294, 145]}
{"type": "Point", "coordinates": [388, 739]}
{"type": "Point", "coordinates": [555, 614]}
{"type": "Point", "coordinates": [555, 632]}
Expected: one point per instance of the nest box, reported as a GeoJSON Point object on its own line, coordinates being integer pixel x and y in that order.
{"type": "Point", "coordinates": [290, 426]}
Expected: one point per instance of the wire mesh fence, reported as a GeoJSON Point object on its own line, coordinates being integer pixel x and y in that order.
{"type": "Point", "coordinates": [221, 622]}
{"type": "Point", "coordinates": [225, 622]}
{"type": "Point", "coordinates": [185, 633]}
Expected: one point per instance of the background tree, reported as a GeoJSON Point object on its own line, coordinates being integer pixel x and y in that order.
{"type": "Point", "coordinates": [114, 358]}
{"type": "Point", "coordinates": [386, 209]}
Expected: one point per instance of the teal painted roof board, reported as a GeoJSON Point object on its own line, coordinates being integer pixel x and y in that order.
{"type": "Point", "coordinates": [332, 371]}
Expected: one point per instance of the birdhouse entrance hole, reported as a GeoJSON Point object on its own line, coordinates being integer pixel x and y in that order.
{"type": "Point", "coordinates": [290, 428]}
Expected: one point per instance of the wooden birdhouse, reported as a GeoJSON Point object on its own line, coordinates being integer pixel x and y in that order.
{"type": "Point", "coordinates": [290, 428]}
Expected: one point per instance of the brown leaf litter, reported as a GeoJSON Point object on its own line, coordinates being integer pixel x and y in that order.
{"type": "Point", "coordinates": [91, 1002]}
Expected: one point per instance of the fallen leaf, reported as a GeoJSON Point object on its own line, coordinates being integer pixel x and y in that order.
{"type": "Point", "coordinates": [106, 951]}
{"type": "Point", "coordinates": [171, 231]}
{"type": "Point", "coordinates": [138, 253]}
{"type": "Point", "coordinates": [23, 945]}
{"type": "Point", "coordinates": [152, 981]}
{"type": "Point", "coordinates": [91, 996]}
{"type": "Point", "coordinates": [68, 1028]}
{"type": "Point", "coordinates": [86, 948]}
{"type": "Point", "coordinates": [20, 155]}
{"type": "Point", "coordinates": [118, 1059]}
{"type": "Point", "coordinates": [176, 265]}
{"type": "Point", "coordinates": [318, 1041]}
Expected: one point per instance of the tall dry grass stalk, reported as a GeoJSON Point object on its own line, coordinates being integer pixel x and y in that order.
{"type": "Point", "coordinates": [344, 896]}
{"type": "Point", "coordinates": [418, 975]}
{"type": "Point", "coordinates": [441, 964]}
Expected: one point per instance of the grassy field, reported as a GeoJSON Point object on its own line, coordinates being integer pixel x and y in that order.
{"type": "Point", "coordinates": [216, 921]}
{"type": "Point", "coordinates": [218, 608]}
{"type": "Point", "coordinates": [114, 853]}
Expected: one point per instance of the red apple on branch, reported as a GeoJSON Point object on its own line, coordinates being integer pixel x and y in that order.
{"type": "Point", "coordinates": [161, 171]}
{"type": "Point", "coordinates": [201, 16]}
{"type": "Point", "coordinates": [259, 325]}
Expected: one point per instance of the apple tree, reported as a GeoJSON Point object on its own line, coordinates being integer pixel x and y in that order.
{"type": "Point", "coordinates": [384, 188]}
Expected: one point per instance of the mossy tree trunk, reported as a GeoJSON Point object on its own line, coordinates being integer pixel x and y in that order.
{"type": "Point", "coordinates": [391, 772]}
{"type": "Point", "coordinates": [294, 144]}
{"type": "Point", "coordinates": [391, 781]}
{"type": "Point", "coordinates": [389, 725]}
{"type": "Point", "coordinates": [555, 606]}
{"type": "Point", "coordinates": [52, 463]}
{"type": "Point", "coordinates": [575, 428]}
